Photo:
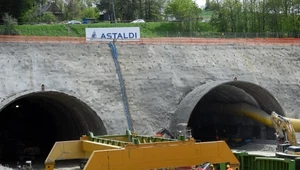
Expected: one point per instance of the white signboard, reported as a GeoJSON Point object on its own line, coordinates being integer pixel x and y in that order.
{"type": "Point", "coordinates": [115, 33]}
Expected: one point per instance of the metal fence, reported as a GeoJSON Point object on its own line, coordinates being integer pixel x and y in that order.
{"type": "Point", "coordinates": [161, 40]}
{"type": "Point", "coordinates": [71, 32]}
{"type": "Point", "coordinates": [227, 34]}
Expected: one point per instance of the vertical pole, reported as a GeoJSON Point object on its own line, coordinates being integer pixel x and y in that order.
{"type": "Point", "coordinates": [114, 13]}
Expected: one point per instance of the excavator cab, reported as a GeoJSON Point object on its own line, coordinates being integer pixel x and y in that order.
{"type": "Point", "coordinates": [286, 132]}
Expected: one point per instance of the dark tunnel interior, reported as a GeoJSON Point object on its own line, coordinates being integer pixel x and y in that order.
{"type": "Point", "coordinates": [209, 123]}
{"type": "Point", "coordinates": [31, 124]}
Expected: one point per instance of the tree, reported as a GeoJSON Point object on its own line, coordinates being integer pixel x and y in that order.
{"type": "Point", "coordinates": [90, 12]}
{"type": "Point", "coordinates": [9, 27]}
{"type": "Point", "coordinates": [106, 5]}
{"type": "Point", "coordinates": [30, 16]}
{"type": "Point", "coordinates": [185, 11]}
{"type": "Point", "coordinates": [90, 3]}
{"type": "Point", "coordinates": [220, 17]}
{"type": "Point", "coordinates": [16, 8]}
{"type": "Point", "coordinates": [207, 5]}
{"type": "Point", "coordinates": [47, 18]}
{"type": "Point", "coordinates": [73, 9]}
{"type": "Point", "coordinates": [128, 10]}
{"type": "Point", "coordinates": [39, 3]}
{"type": "Point", "coordinates": [153, 10]}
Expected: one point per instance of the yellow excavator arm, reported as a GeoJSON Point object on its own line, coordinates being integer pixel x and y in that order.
{"type": "Point", "coordinates": [284, 128]}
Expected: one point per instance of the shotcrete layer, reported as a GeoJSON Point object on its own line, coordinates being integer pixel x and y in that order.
{"type": "Point", "coordinates": [157, 77]}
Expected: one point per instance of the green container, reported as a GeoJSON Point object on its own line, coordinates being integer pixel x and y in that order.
{"type": "Point", "coordinates": [261, 162]}
{"type": "Point", "coordinates": [264, 163]}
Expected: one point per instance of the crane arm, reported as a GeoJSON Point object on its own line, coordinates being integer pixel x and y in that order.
{"type": "Point", "coordinates": [284, 127]}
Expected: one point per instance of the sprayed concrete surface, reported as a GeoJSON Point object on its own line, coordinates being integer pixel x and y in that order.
{"type": "Point", "coordinates": [157, 77]}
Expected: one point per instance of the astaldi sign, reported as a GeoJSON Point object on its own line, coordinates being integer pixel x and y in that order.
{"type": "Point", "coordinates": [111, 34]}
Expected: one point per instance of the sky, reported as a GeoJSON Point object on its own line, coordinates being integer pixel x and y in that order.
{"type": "Point", "coordinates": [200, 3]}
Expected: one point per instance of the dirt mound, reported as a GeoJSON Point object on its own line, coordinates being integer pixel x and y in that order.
{"type": "Point", "coordinates": [5, 168]}
{"type": "Point", "coordinates": [259, 145]}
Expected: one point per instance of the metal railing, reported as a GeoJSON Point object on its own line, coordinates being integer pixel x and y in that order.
{"type": "Point", "coordinates": [159, 40]}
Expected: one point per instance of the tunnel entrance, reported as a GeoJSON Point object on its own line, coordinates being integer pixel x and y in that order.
{"type": "Point", "coordinates": [31, 124]}
{"type": "Point", "coordinates": [209, 120]}
{"type": "Point", "coordinates": [220, 111]}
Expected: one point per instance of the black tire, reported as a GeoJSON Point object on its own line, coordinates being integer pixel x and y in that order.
{"type": "Point", "coordinates": [81, 165]}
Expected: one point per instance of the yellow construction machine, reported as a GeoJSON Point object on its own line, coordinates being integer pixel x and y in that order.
{"type": "Point", "coordinates": [137, 152]}
{"type": "Point", "coordinates": [287, 145]}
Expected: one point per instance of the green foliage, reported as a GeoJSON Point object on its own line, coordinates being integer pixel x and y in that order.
{"type": "Point", "coordinates": [129, 10]}
{"type": "Point", "coordinates": [206, 14]}
{"type": "Point", "coordinates": [185, 11]}
{"type": "Point", "coordinates": [90, 13]}
{"type": "Point", "coordinates": [45, 30]}
{"type": "Point", "coordinates": [256, 16]}
{"type": "Point", "coordinates": [47, 18]}
{"type": "Point", "coordinates": [73, 9]}
{"type": "Point", "coordinates": [90, 3]}
{"type": "Point", "coordinates": [227, 16]}
{"type": "Point", "coordinates": [9, 27]}
{"type": "Point", "coordinates": [16, 8]}
{"type": "Point", "coordinates": [182, 9]}
{"type": "Point", "coordinates": [31, 16]}
{"type": "Point", "coordinates": [148, 29]}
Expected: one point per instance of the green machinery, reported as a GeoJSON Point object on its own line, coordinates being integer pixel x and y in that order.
{"type": "Point", "coordinates": [256, 161]}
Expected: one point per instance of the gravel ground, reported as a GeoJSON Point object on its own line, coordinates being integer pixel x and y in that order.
{"type": "Point", "coordinates": [4, 168]}
{"type": "Point", "coordinates": [60, 165]}
{"type": "Point", "coordinates": [259, 145]}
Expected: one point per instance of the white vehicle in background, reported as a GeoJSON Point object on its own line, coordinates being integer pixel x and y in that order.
{"type": "Point", "coordinates": [138, 21]}
{"type": "Point", "coordinates": [73, 22]}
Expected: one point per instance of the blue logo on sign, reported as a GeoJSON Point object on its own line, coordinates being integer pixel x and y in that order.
{"type": "Point", "coordinates": [94, 35]}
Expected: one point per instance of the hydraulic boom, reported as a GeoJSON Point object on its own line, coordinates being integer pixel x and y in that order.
{"type": "Point", "coordinates": [284, 128]}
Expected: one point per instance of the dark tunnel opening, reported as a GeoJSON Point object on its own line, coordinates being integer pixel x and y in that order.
{"type": "Point", "coordinates": [209, 120]}
{"type": "Point", "coordinates": [31, 124]}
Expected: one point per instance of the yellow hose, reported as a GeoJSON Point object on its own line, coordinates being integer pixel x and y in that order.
{"type": "Point", "coordinates": [242, 109]}
{"type": "Point", "coordinates": [295, 123]}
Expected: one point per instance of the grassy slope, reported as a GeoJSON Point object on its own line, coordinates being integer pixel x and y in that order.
{"type": "Point", "coordinates": [150, 29]}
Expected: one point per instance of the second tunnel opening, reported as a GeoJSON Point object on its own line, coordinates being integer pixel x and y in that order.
{"type": "Point", "coordinates": [223, 113]}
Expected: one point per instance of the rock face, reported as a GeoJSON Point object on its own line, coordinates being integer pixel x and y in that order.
{"type": "Point", "coordinates": [156, 77]}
